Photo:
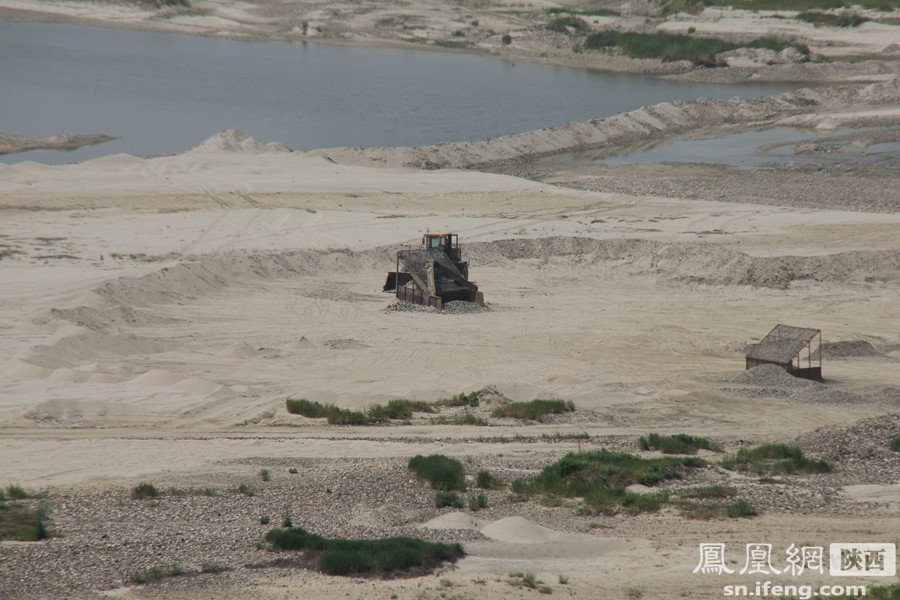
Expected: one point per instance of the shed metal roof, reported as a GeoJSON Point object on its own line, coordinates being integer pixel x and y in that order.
{"type": "Point", "coordinates": [783, 343]}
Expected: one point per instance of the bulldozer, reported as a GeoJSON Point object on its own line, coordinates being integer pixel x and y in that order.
{"type": "Point", "coordinates": [433, 273]}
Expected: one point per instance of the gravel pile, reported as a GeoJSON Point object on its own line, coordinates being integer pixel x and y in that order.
{"type": "Point", "coordinates": [861, 452]}
{"type": "Point", "coordinates": [849, 348]}
{"type": "Point", "coordinates": [770, 376]}
{"type": "Point", "coordinates": [456, 307]}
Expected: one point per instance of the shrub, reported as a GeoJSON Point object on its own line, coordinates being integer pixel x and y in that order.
{"type": "Point", "coordinates": [676, 444]}
{"type": "Point", "coordinates": [350, 557]}
{"type": "Point", "coordinates": [155, 574]}
{"type": "Point", "coordinates": [265, 475]}
{"type": "Point", "coordinates": [506, 40]}
{"type": "Point", "coordinates": [778, 458]}
{"type": "Point", "coordinates": [740, 508]}
{"type": "Point", "coordinates": [470, 400]}
{"type": "Point", "coordinates": [477, 502]}
{"type": "Point", "coordinates": [529, 580]}
{"type": "Point", "coordinates": [487, 481]}
{"type": "Point", "coordinates": [246, 490]}
{"type": "Point", "coordinates": [442, 472]}
{"type": "Point", "coordinates": [23, 524]}
{"type": "Point", "coordinates": [310, 410]}
{"type": "Point", "coordinates": [265, 520]}
{"type": "Point", "coordinates": [444, 499]}
{"type": "Point", "coordinates": [535, 410]}
{"type": "Point", "coordinates": [895, 444]}
{"type": "Point", "coordinates": [144, 490]}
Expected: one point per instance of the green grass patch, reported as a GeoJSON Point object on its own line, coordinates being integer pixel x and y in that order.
{"type": "Point", "coordinates": [600, 478]}
{"type": "Point", "coordinates": [671, 47]}
{"type": "Point", "coordinates": [565, 23]}
{"type": "Point", "coordinates": [442, 472]}
{"type": "Point", "coordinates": [477, 502]}
{"type": "Point", "coordinates": [740, 508]}
{"type": "Point", "coordinates": [535, 410]}
{"type": "Point", "coordinates": [399, 409]}
{"type": "Point", "coordinates": [774, 458]}
{"type": "Point", "coordinates": [486, 480]}
{"type": "Point", "coordinates": [843, 19]}
{"type": "Point", "coordinates": [470, 400]}
{"type": "Point", "coordinates": [366, 556]}
{"type": "Point", "coordinates": [155, 574]}
{"type": "Point", "coordinates": [710, 492]}
{"type": "Point", "coordinates": [676, 444]}
{"type": "Point", "coordinates": [444, 499]}
{"type": "Point", "coordinates": [463, 418]}
{"type": "Point", "coordinates": [144, 490]}
{"type": "Point", "coordinates": [23, 524]}
{"type": "Point", "coordinates": [895, 443]}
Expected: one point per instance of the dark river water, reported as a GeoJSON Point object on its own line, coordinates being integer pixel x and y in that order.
{"type": "Point", "coordinates": [162, 93]}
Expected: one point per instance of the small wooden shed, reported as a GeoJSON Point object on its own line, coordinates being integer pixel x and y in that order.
{"type": "Point", "coordinates": [798, 350]}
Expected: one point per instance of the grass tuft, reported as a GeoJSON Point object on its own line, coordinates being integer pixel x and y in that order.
{"type": "Point", "coordinates": [477, 502]}
{"type": "Point", "coordinates": [23, 524]}
{"type": "Point", "coordinates": [774, 458]}
{"type": "Point", "coordinates": [485, 480]}
{"type": "Point", "coordinates": [740, 508]}
{"type": "Point", "coordinates": [144, 490]}
{"type": "Point", "coordinates": [895, 444]}
{"type": "Point", "coordinates": [444, 498]}
{"type": "Point", "coordinates": [535, 410]}
{"type": "Point", "coordinates": [442, 472]}
{"type": "Point", "coordinates": [676, 444]}
{"type": "Point", "coordinates": [363, 556]}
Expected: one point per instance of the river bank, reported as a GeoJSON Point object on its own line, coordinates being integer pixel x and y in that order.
{"type": "Point", "coordinates": [517, 32]}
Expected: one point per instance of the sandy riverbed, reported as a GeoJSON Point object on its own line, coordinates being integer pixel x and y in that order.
{"type": "Point", "coordinates": [157, 312]}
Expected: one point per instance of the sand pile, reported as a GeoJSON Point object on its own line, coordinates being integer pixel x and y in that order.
{"type": "Point", "coordinates": [518, 530]}
{"type": "Point", "coordinates": [232, 140]}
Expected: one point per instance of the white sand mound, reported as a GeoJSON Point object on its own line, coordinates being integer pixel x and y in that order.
{"type": "Point", "coordinates": [518, 530]}
{"type": "Point", "coordinates": [454, 520]}
{"type": "Point", "coordinates": [232, 140]}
